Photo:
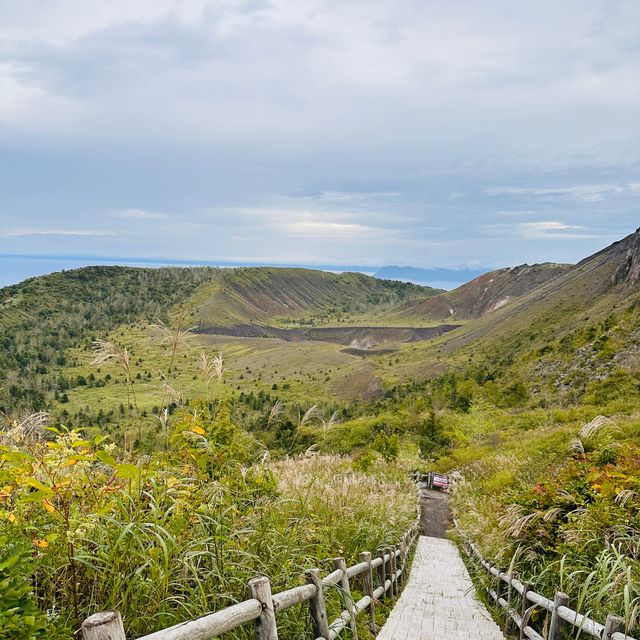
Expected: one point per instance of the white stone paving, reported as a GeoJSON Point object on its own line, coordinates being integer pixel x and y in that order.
{"type": "Point", "coordinates": [439, 601]}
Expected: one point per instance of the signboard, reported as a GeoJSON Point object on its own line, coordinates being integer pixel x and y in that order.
{"type": "Point", "coordinates": [439, 482]}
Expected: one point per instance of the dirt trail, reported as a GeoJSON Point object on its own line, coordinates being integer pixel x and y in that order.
{"type": "Point", "coordinates": [435, 516]}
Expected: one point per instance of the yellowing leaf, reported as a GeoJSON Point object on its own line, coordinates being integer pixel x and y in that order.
{"type": "Point", "coordinates": [36, 484]}
{"type": "Point", "coordinates": [48, 506]}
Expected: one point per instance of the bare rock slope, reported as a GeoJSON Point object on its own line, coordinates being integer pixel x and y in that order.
{"type": "Point", "coordinates": [485, 294]}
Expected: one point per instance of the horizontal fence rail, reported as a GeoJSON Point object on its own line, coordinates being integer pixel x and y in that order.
{"type": "Point", "coordinates": [381, 577]}
{"type": "Point", "coordinates": [508, 592]}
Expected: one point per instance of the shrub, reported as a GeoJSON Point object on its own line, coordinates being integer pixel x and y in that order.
{"type": "Point", "coordinates": [20, 618]}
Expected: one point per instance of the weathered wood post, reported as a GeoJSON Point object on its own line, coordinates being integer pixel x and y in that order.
{"type": "Point", "coordinates": [266, 623]}
{"type": "Point", "coordinates": [405, 557]}
{"type": "Point", "coordinates": [558, 625]}
{"type": "Point", "coordinates": [614, 624]}
{"type": "Point", "coordinates": [367, 586]}
{"type": "Point", "coordinates": [526, 587]}
{"type": "Point", "coordinates": [103, 626]}
{"type": "Point", "coordinates": [394, 570]}
{"type": "Point", "coordinates": [401, 564]}
{"type": "Point", "coordinates": [508, 620]}
{"type": "Point", "coordinates": [340, 563]}
{"type": "Point", "coordinates": [382, 573]}
{"type": "Point", "coordinates": [388, 572]}
{"type": "Point", "coordinates": [317, 606]}
{"type": "Point", "coordinates": [499, 585]}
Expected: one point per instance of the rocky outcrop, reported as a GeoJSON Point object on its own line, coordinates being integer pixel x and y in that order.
{"type": "Point", "coordinates": [629, 270]}
{"type": "Point", "coordinates": [485, 294]}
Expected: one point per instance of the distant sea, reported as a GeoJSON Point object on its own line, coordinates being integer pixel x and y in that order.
{"type": "Point", "coordinates": [16, 268]}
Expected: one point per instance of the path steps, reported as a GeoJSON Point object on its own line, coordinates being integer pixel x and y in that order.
{"type": "Point", "coordinates": [439, 600]}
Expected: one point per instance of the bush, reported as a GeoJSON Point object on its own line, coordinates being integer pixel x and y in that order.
{"type": "Point", "coordinates": [20, 618]}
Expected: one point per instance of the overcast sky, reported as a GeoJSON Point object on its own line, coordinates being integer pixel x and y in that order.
{"type": "Point", "coordinates": [422, 132]}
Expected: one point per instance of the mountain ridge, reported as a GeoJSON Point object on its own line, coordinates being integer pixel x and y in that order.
{"type": "Point", "coordinates": [485, 294]}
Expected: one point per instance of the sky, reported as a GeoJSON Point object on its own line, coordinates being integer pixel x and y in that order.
{"type": "Point", "coordinates": [429, 133]}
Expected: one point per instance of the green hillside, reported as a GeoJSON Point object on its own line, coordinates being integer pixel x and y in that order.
{"type": "Point", "coordinates": [296, 296]}
{"type": "Point", "coordinates": [49, 322]}
{"type": "Point", "coordinates": [43, 318]}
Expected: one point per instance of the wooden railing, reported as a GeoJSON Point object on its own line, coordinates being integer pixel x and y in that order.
{"type": "Point", "coordinates": [387, 570]}
{"type": "Point", "coordinates": [518, 602]}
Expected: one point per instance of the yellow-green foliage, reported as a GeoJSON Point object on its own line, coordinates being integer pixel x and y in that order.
{"type": "Point", "coordinates": [167, 537]}
{"type": "Point", "coordinates": [561, 502]}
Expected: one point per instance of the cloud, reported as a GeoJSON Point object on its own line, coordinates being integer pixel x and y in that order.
{"type": "Point", "coordinates": [289, 220]}
{"type": "Point", "coordinates": [405, 130]}
{"type": "Point", "coordinates": [329, 229]}
{"type": "Point", "coordinates": [552, 230]}
{"type": "Point", "coordinates": [354, 197]}
{"type": "Point", "coordinates": [19, 233]}
{"type": "Point", "coordinates": [139, 214]}
{"type": "Point", "coordinates": [587, 193]}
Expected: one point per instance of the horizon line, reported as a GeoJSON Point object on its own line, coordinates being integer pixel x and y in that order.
{"type": "Point", "coordinates": [237, 263]}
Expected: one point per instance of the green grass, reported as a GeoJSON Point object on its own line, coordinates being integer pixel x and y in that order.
{"type": "Point", "coordinates": [167, 537]}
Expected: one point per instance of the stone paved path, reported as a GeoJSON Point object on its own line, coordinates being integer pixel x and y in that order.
{"type": "Point", "coordinates": [439, 600]}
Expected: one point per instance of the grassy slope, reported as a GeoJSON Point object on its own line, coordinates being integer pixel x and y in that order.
{"type": "Point", "coordinates": [583, 297]}
{"type": "Point", "coordinates": [43, 318]}
{"type": "Point", "coordinates": [536, 372]}
{"type": "Point", "coordinates": [50, 323]}
{"type": "Point", "coordinates": [291, 296]}
{"type": "Point", "coordinates": [520, 385]}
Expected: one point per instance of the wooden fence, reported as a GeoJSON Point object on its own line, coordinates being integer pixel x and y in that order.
{"type": "Point", "coordinates": [519, 602]}
{"type": "Point", "coordinates": [387, 570]}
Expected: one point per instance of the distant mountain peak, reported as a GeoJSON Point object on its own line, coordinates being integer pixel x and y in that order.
{"type": "Point", "coordinates": [486, 293]}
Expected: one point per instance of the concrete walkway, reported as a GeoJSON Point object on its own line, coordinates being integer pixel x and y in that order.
{"type": "Point", "coordinates": [439, 600]}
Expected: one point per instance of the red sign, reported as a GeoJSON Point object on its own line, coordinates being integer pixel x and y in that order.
{"type": "Point", "coordinates": [442, 482]}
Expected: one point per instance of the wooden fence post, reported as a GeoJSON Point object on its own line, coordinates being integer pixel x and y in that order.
{"type": "Point", "coordinates": [558, 625]}
{"type": "Point", "coordinates": [614, 624]}
{"type": "Point", "coordinates": [266, 623]}
{"type": "Point", "coordinates": [317, 606]}
{"type": "Point", "coordinates": [367, 584]}
{"type": "Point", "coordinates": [523, 609]}
{"type": "Point", "coordinates": [405, 557]}
{"type": "Point", "coordinates": [340, 563]}
{"type": "Point", "coordinates": [382, 573]}
{"type": "Point", "coordinates": [499, 585]}
{"type": "Point", "coordinates": [388, 572]}
{"type": "Point", "coordinates": [508, 620]}
{"type": "Point", "coordinates": [103, 626]}
{"type": "Point", "coordinates": [394, 570]}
